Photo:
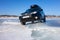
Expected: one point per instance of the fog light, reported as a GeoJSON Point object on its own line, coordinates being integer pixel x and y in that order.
{"type": "Point", "coordinates": [36, 17]}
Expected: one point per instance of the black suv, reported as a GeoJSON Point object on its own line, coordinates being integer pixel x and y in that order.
{"type": "Point", "coordinates": [32, 14]}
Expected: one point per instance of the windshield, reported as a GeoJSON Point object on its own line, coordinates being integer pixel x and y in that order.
{"type": "Point", "coordinates": [32, 10]}
{"type": "Point", "coordinates": [28, 11]}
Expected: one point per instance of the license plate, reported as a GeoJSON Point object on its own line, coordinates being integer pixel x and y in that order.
{"type": "Point", "coordinates": [25, 16]}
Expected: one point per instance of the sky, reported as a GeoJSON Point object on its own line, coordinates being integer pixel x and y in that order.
{"type": "Point", "coordinates": [16, 7]}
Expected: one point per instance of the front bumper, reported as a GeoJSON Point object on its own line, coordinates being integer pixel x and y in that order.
{"type": "Point", "coordinates": [29, 18]}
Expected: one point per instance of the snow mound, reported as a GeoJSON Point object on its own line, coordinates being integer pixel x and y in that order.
{"type": "Point", "coordinates": [46, 33]}
{"type": "Point", "coordinates": [5, 22]}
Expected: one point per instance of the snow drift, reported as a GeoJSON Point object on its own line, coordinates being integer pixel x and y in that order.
{"type": "Point", "coordinates": [11, 29]}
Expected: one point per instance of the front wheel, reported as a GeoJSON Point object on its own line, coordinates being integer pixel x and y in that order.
{"type": "Point", "coordinates": [43, 20]}
{"type": "Point", "coordinates": [23, 23]}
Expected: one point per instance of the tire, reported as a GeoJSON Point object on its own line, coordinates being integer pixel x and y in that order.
{"type": "Point", "coordinates": [23, 23]}
{"type": "Point", "coordinates": [44, 20]}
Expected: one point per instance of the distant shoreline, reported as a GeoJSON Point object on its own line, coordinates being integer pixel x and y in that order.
{"type": "Point", "coordinates": [14, 16]}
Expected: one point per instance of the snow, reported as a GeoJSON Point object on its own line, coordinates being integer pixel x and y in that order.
{"type": "Point", "coordinates": [11, 29]}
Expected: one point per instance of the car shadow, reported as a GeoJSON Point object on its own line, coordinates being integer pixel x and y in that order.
{"type": "Point", "coordinates": [53, 23]}
{"type": "Point", "coordinates": [35, 25]}
{"type": "Point", "coordinates": [48, 23]}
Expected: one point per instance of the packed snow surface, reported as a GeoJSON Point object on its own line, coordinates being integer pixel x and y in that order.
{"type": "Point", "coordinates": [12, 29]}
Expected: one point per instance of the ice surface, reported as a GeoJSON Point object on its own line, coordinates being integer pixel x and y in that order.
{"type": "Point", "coordinates": [11, 29]}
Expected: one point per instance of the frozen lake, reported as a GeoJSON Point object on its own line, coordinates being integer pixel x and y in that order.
{"type": "Point", "coordinates": [11, 29]}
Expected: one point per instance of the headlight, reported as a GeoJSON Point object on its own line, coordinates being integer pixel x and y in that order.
{"type": "Point", "coordinates": [26, 16]}
{"type": "Point", "coordinates": [34, 12]}
{"type": "Point", "coordinates": [36, 17]}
